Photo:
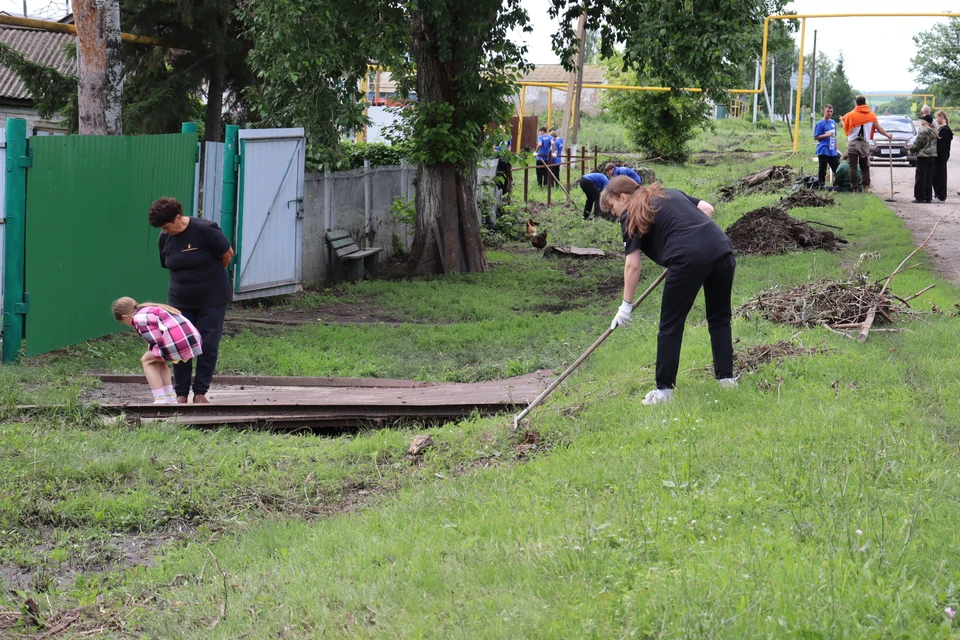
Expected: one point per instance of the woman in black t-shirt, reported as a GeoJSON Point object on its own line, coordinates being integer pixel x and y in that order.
{"type": "Point", "coordinates": [196, 253]}
{"type": "Point", "coordinates": [676, 231]}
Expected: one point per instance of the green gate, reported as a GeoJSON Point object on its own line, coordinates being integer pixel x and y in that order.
{"type": "Point", "coordinates": [87, 237]}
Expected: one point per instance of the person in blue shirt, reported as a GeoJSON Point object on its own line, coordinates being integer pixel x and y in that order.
{"type": "Point", "coordinates": [825, 133]}
{"type": "Point", "coordinates": [558, 153]}
{"type": "Point", "coordinates": [611, 170]}
{"type": "Point", "coordinates": [544, 155]}
{"type": "Point", "coordinates": [592, 184]}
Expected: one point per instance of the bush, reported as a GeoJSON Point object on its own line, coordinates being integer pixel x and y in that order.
{"type": "Point", "coordinates": [350, 155]}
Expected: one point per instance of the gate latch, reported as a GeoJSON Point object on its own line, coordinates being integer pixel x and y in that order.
{"type": "Point", "coordinates": [22, 308]}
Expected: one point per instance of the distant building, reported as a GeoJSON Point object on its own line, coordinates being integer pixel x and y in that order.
{"type": "Point", "coordinates": [538, 97]}
{"type": "Point", "coordinates": [44, 47]}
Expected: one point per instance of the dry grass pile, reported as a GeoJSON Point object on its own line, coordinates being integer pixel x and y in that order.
{"type": "Point", "coordinates": [760, 355]}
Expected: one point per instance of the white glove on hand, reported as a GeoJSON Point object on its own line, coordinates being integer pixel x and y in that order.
{"type": "Point", "coordinates": [622, 319]}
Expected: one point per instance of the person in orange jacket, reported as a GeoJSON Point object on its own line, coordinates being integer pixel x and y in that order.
{"type": "Point", "coordinates": [860, 126]}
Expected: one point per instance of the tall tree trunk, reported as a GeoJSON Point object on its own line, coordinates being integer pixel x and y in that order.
{"type": "Point", "coordinates": [99, 67]}
{"type": "Point", "coordinates": [214, 119]}
{"type": "Point", "coordinates": [447, 237]}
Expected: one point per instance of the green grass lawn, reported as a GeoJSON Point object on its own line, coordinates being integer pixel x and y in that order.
{"type": "Point", "coordinates": [818, 500]}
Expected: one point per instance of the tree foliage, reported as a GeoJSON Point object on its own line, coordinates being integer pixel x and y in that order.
{"type": "Point", "coordinates": [937, 62]}
{"type": "Point", "coordinates": [840, 94]}
{"type": "Point", "coordinates": [659, 123]}
{"type": "Point", "coordinates": [53, 91]}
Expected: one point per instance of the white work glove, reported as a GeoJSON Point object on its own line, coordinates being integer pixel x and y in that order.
{"type": "Point", "coordinates": [622, 319]}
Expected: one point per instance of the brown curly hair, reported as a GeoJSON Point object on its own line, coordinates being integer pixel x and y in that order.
{"type": "Point", "coordinates": [163, 211]}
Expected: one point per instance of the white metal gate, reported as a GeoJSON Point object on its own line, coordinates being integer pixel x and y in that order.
{"type": "Point", "coordinates": [212, 180]}
{"type": "Point", "coordinates": [269, 213]}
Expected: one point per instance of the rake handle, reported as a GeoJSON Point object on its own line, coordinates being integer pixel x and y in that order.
{"type": "Point", "coordinates": [556, 383]}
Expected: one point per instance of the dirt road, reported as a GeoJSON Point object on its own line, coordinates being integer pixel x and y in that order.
{"type": "Point", "coordinates": [944, 248]}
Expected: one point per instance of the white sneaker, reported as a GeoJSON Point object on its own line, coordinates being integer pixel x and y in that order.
{"type": "Point", "coordinates": [658, 396]}
{"type": "Point", "coordinates": [164, 401]}
{"type": "Point", "coordinates": [728, 383]}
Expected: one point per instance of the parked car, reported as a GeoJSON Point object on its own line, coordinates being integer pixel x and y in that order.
{"type": "Point", "coordinates": [904, 133]}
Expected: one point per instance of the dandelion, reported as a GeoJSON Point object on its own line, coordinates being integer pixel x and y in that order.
{"type": "Point", "coordinates": [950, 612]}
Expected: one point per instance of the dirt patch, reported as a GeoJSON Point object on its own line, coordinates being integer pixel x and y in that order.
{"type": "Point", "coordinates": [770, 230]}
{"type": "Point", "coordinates": [775, 178]}
{"type": "Point", "coordinates": [266, 320]}
{"type": "Point", "coordinates": [734, 156]}
{"type": "Point", "coordinates": [806, 198]}
{"type": "Point", "coordinates": [825, 302]}
{"type": "Point", "coordinates": [760, 355]}
{"type": "Point", "coordinates": [87, 557]}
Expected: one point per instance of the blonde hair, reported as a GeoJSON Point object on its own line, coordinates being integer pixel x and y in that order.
{"type": "Point", "coordinates": [128, 306]}
{"type": "Point", "coordinates": [642, 205]}
{"type": "Point", "coordinates": [943, 113]}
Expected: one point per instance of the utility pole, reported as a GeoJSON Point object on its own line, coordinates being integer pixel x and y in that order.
{"type": "Point", "coordinates": [25, 9]}
{"type": "Point", "coordinates": [813, 83]}
{"type": "Point", "coordinates": [756, 87]}
{"type": "Point", "coordinates": [99, 67]}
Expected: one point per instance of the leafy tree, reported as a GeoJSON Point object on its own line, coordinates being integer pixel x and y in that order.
{"type": "Point", "coordinates": [200, 81]}
{"type": "Point", "coordinates": [937, 62]}
{"type": "Point", "coordinates": [840, 94]}
{"type": "Point", "coordinates": [456, 56]}
{"type": "Point", "coordinates": [659, 123]}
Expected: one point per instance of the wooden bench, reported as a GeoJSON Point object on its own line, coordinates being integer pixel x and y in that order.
{"type": "Point", "coordinates": [348, 261]}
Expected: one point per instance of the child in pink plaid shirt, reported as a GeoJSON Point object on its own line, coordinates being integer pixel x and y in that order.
{"type": "Point", "coordinates": [170, 338]}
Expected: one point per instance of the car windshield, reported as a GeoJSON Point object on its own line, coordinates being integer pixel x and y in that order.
{"type": "Point", "coordinates": [900, 126]}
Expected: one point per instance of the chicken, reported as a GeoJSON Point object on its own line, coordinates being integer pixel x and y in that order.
{"type": "Point", "coordinates": [539, 240]}
{"type": "Point", "coordinates": [531, 229]}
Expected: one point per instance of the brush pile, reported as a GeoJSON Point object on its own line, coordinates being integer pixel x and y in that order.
{"type": "Point", "coordinates": [772, 179]}
{"type": "Point", "coordinates": [760, 355]}
{"type": "Point", "coordinates": [837, 304]}
{"type": "Point", "coordinates": [806, 198]}
{"type": "Point", "coordinates": [770, 230]}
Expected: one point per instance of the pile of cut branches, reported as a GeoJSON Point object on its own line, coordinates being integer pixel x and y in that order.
{"type": "Point", "coordinates": [806, 198]}
{"type": "Point", "coordinates": [770, 230]}
{"type": "Point", "coordinates": [772, 179]}
{"type": "Point", "coordinates": [823, 302]}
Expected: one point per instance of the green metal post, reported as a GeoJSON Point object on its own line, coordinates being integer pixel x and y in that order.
{"type": "Point", "coordinates": [15, 299]}
{"type": "Point", "coordinates": [228, 200]}
{"type": "Point", "coordinates": [191, 127]}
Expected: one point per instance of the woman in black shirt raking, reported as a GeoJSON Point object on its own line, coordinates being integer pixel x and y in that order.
{"type": "Point", "coordinates": [197, 253]}
{"type": "Point", "coordinates": [676, 231]}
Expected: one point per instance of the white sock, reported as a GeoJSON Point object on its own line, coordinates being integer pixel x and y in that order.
{"type": "Point", "coordinates": [159, 397]}
{"type": "Point", "coordinates": [169, 393]}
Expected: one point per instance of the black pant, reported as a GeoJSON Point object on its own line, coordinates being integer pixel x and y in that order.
{"type": "Point", "coordinates": [833, 161]}
{"type": "Point", "coordinates": [592, 192]}
{"type": "Point", "coordinates": [940, 177]}
{"type": "Point", "coordinates": [542, 169]}
{"type": "Point", "coordinates": [504, 175]}
{"type": "Point", "coordinates": [923, 183]}
{"type": "Point", "coordinates": [679, 293]}
{"type": "Point", "coordinates": [555, 168]}
{"type": "Point", "coordinates": [209, 322]}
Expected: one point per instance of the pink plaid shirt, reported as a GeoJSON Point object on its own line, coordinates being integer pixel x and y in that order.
{"type": "Point", "coordinates": [170, 337]}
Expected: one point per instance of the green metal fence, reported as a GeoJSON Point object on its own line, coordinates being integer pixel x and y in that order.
{"type": "Point", "coordinates": [87, 237]}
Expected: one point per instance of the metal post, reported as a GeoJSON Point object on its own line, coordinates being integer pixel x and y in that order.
{"type": "Point", "coordinates": [813, 83]}
{"type": "Point", "coordinates": [773, 86]}
{"type": "Point", "coordinates": [550, 185]}
{"type": "Point", "coordinates": [796, 124]}
{"type": "Point", "coordinates": [526, 181]}
{"type": "Point", "coordinates": [596, 157]}
{"type": "Point", "coordinates": [15, 299]}
{"type": "Point", "coordinates": [568, 169]}
{"type": "Point", "coordinates": [191, 127]}
{"type": "Point", "coordinates": [367, 205]}
{"type": "Point", "coordinates": [550, 107]}
{"type": "Point", "coordinates": [523, 100]}
{"type": "Point", "coordinates": [756, 86]}
{"type": "Point", "coordinates": [228, 199]}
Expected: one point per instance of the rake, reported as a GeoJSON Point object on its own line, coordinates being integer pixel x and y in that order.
{"type": "Point", "coordinates": [556, 383]}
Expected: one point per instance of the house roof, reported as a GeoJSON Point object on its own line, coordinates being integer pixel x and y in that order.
{"type": "Point", "coordinates": [44, 47]}
{"type": "Point", "coordinates": [592, 74]}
